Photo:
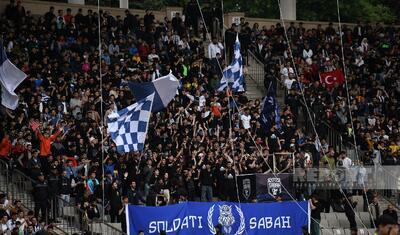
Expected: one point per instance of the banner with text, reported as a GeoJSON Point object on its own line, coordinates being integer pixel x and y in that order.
{"type": "Point", "coordinates": [231, 218]}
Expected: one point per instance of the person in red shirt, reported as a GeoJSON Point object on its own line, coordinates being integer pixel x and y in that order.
{"type": "Point", "coordinates": [68, 17]}
{"type": "Point", "coordinates": [5, 146]}
{"type": "Point", "coordinates": [46, 140]}
{"type": "Point", "coordinates": [45, 147]}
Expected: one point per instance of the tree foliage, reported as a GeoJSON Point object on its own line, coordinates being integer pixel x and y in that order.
{"type": "Point", "coordinates": [322, 10]}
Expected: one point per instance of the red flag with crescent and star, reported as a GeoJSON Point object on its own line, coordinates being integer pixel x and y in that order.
{"type": "Point", "coordinates": [330, 79]}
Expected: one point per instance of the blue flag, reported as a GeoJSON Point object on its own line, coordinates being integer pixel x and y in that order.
{"type": "Point", "coordinates": [128, 127]}
{"type": "Point", "coordinates": [277, 116]}
{"type": "Point", "coordinates": [164, 89]}
{"type": "Point", "coordinates": [231, 218]}
{"type": "Point", "coordinates": [233, 76]}
{"type": "Point", "coordinates": [267, 111]}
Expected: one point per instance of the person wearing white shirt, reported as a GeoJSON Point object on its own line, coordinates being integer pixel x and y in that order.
{"type": "Point", "coordinates": [347, 163]}
{"type": "Point", "coordinates": [11, 223]}
{"type": "Point", "coordinates": [286, 70]}
{"type": "Point", "coordinates": [364, 47]}
{"type": "Point", "coordinates": [246, 118]}
{"type": "Point", "coordinates": [361, 173]}
{"type": "Point", "coordinates": [307, 52]}
{"type": "Point", "coordinates": [289, 82]}
{"type": "Point", "coordinates": [153, 55]}
{"type": "Point", "coordinates": [175, 38]}
{"type": "Point", "coordinates": [4, 225]}
{"type": "Point", "coordinates": [5, 204]}
{"type": "Point", "coordinates": [113, 48]}
{"type": "Point", "coordinates": [202, 101]}
{"type": "Point", "coordinates": [184, 44]}
{"type": "Point", "coordinates": [215, 48]}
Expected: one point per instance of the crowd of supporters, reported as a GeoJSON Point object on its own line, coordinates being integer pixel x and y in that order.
{"type": "Point", "coordinates": [197, 145]}
{"type": "Point", "coordinates": [371, 56]}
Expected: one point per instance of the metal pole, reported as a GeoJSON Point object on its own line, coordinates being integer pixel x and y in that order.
{"type": "Point", "coordinates": [223, 28]}
{"type": "Point", "coordinates": [8, 173]}
{"type": "Point", "coordinates": [273, 162]}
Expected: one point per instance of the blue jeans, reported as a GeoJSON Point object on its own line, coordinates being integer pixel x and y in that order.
{"type": "Point", "coordinates": [206, 193]}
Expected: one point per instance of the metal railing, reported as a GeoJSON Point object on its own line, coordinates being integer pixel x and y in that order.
{"type": "Point", "coordinates": [325, 131]}
{"type": "Point", "coordinates": [255, 69]}
{"type": "Point", "coordinates": [66, 217]}
{"type": "Point", "coordinates": [4, 178]}
{"type": "Point", "coordinates": [22, 188]}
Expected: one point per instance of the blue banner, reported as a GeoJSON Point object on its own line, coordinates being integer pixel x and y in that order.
{"type": "Point", "coordinates": [230, 218]}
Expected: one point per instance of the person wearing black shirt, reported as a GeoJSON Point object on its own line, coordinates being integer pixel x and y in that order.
{"type": "Point", "coordinates": [230, 38]}
{"type": "Point", "coordinates": [122, 213]}
{"type": "Point", "coordinates": [349, 206]}
{"type": "Point", "coordinates": [65, 188]}
{"type": "Point", "coordinates": [391, 212]}
{"type": "Point", "coordinates": [133, 194]}
{"type": "Point", "coordinates": [79, 18]}
{"type": "Point", "coordinates": [316, 209]}
{"type": "Point", "coordinates": [230, 185]}
{"type": "Point", "coordinates": [192, 16]}
{"type": "Point", "coordinates": [115, 202]}
{"type": "Point", "coordinates": [41, 196]}
{"type": "Point", "coordinates": [49, 17]}
{"type": "Point", "coordinates": [148, 19]}
{"type": "Point", "coordinates": [207, 182]}
{"type": "Point", "coordinates": [54, 190]}
{"type": "Point", "coordinates": [176, 21]}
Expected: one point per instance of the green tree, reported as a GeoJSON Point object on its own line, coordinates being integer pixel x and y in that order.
{"type": "Point", "coordinates": [317, 10]}
{"type": "Point", "coordinates": [148, 4]}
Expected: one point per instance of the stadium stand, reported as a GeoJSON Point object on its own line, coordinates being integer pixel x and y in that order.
{"type": "Point", "coordinates": [54, 160]}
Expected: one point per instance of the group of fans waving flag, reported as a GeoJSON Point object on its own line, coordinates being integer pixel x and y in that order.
{"type": "Point", "coordinates": [128, 127]}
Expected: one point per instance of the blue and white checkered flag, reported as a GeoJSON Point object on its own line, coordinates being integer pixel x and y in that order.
{"type": "Point", "coordinates": [128, 127]}
{"type": "Point", "coordinates": [233, 74]}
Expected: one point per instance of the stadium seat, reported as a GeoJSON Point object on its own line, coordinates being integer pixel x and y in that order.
{"type": "Point", "coordinates": [69, 211]}
{"type": "Point", "coordinates": [362, 231]}
{"type": "Point", "coordinates": [360, 203]}
{"type": "Point", "coordinates": [344, 222]}
{"type": "Point", "coordinates": [324, 223]}
{"type": "Point", "coordinates": [338, 231]}
{"type": "Point", "coordinates": [326, 231]}
{"type": "Point", "coordinates": [365, 218]}
{"type": "Point", "coordinates": [332, 220]}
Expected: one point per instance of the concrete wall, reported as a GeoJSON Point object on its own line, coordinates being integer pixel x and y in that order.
{"type": "Point", "coordinates": [41, 7]}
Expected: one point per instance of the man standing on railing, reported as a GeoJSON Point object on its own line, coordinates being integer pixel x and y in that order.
{"type": "Point", "coordinates": [54, 190]}
{"type": "Point", "coordinates": [41, 197]}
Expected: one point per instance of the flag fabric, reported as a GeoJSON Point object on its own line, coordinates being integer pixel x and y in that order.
{"type": "Point", "coordinates": [232, 76]}
{"type": "Point", "coordinates": [188, 218]}
{"type": "Point", "coordinates": [270, 112]}
{"type": "Point", "coordinates": [277, 116]}
{"type": "Point", "coordinates": [330, 79]}
{"type": "Point", "coordinates": [10, 78]}
{"type": "Point", "coordinates": [128, 127]}
{"type": "Point", "coordinates": [267, 111]}
{"type": "Point", "coordinates": [164, 89]}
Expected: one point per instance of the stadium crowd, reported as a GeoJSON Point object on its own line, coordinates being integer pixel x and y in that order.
{"type": "Point", "coordinates": [198, 145]}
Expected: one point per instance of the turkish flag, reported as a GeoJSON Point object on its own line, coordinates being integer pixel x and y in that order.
{"type": "Point", "coordinates": [330, 79]}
